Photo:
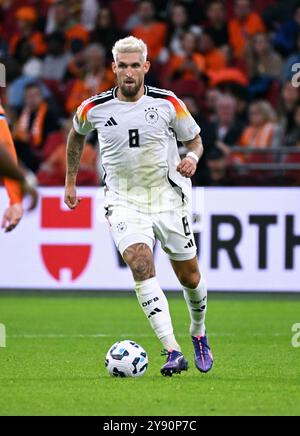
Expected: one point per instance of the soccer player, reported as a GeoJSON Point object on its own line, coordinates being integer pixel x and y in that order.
{"type": "Point", "coordinates": [148, 191]}
{"type": "Point", "coordinates": [25, 186]}
{"type": "Point", "coordinates": [14, 212]}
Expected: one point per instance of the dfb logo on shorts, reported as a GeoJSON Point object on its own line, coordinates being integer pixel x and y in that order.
{"type": "Point", "coordinates": [121, 227]}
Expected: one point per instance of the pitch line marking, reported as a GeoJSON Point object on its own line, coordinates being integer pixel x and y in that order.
{"type": "Point", "coordinates": [126, 335]}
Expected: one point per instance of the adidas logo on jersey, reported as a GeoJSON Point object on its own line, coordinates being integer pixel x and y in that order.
{"type": "Point", "coordinates": [190, 244]}
{"type": "Point", "coordinates": [111, 122]}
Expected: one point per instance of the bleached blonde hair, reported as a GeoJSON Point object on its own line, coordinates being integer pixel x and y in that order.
{"type": "Point", "coordinates": [130, 45]}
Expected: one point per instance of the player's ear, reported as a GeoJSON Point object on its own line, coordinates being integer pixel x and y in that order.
{"type": "Point", "coordinates": [147, 66]}
{"type": "Point", "coordinates": [114, 67]}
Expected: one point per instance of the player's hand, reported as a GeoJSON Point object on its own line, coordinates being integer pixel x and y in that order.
{"type": "Point", "coordinates": [71, 199]}
{"type": "Point", "coordinates": [187, 167]}
{"type": "Point", "coordinates": [12, 217]}
{"type": "Point", "coordinates": [29, 190]}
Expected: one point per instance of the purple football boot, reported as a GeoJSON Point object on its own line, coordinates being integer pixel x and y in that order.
{"type": "Point", "coordinates": [175, 363]}
{"type": "Point", "coordinates": [203, 356]}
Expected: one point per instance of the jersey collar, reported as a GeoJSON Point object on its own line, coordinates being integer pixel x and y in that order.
{"type": "Point", "coordinates": [115, 90]}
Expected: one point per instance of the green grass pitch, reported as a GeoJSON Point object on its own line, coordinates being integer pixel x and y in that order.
{"type": "Point", "coordinates": [56, 345]}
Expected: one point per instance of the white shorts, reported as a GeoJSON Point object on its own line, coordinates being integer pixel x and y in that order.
{"type": "Point", "coordinates": [173, 229]}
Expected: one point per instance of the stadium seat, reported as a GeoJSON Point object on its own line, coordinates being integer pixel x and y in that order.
{"type": "Point", "coordinates": [292, 175]}
{"type": "Point", "coordinates": [52, 142]}
{"type": "Point", "coordinates": [258, 5]}
{"type": "Point", "coordinates": [195, 88]}
{"type": "Point", "coordinates": [122, 9]}
{"type": "Point", "coordinates": [244, 176]}
{"type": "Point", "coordinates": [59, 90]}
{"type": "Point", "coordinates": [253, 158]}
{"type": "Point", "coordinates": [273, 93]}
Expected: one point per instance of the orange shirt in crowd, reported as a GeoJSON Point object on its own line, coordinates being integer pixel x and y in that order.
{"type": "Point", "coordinates": [177, 61]}
{"type": "Point", "coordinates": [83, 89]}
{"type": "Point", "coordinates": [258, 137]}
{"type": "Point", "coordinates": [240, 32]}
{"type": "Point", "coordinates": [215, 60]}
{"type": "Point", "coordinates": [34, 134]}
{"type": "Point", "coordinates": [227, 75]}
{"type": "Point", "coordinates": [10, 24]}
{"type": "Point", "coordinates": [154, 36]}
{"type": "Point", "coordinates": [12, 187]}
{"type": "Point", "coordinates": [36, 40]}
{"type": "Point", "coordinates": [255, 137]}
{"type": "Point", "coordinates": [77, 32]}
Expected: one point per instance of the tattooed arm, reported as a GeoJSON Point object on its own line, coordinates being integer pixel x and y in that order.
{"type": "Point", "coordinates": [74, 150]}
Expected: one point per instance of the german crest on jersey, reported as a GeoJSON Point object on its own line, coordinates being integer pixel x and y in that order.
{"type": "Point", "coordinates": [151, 115]}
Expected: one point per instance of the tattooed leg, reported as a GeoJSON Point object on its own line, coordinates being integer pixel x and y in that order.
{"type": "Point", "coordinates": [139, 258]}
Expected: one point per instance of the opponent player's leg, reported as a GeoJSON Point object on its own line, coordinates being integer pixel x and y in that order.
{"type": "Point", "coordinates": [139, 258]}
{"type": "Point", "coordinates": [195, 294]}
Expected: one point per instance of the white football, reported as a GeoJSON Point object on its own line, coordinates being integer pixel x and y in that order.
{"type": "Point", "coordinates": [126, 359]}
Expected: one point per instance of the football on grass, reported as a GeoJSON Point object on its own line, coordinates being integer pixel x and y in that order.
{"type": "Point", "coordinates": [126, 359]}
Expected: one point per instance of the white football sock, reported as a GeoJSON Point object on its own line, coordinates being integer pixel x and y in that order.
{"type": "Point", "coordinates": [155, 306]}
{"type": "Point", "coordinates": [196, 300]}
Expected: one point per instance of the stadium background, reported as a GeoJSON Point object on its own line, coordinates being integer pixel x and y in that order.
{"type": "Point", "coordinates": [199, 49]}
{"type": "Point", "coordinates": [238, 82]}
{"type": "Point", "coordinates": [233, 65]}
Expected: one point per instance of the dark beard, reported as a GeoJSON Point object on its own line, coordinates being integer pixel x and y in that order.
{"type": "Point", "coordinates": [131, 92]}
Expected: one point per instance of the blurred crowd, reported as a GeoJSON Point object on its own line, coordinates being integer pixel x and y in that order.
{"type": "Point", "coordinates": [232, 62]}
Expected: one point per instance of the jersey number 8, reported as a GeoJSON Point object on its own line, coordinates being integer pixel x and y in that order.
{"type": "Point", "coordinates": [134, 138]}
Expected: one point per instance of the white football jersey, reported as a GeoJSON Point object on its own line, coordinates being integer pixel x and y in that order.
{"type": "Point", "coordinates": [137, 141]}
